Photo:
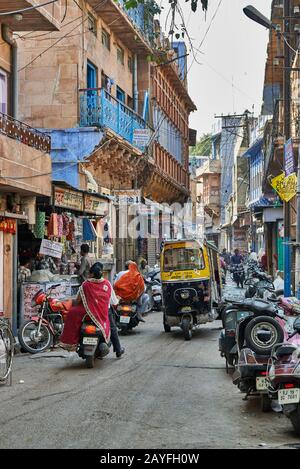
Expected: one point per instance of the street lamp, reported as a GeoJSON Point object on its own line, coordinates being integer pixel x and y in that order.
{"type": "Point", "coordinates": [256, 16]}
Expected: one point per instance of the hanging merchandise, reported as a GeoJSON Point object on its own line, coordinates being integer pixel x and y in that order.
{"type": "Point", "coordinates": [89, 232]}
{"type": "Point", "coordinates": [59, 226]}
{"type": "Point", "coordinates": [66, 224]}
{"type": "Point", "coordinates": [39, 227]}
{"type": "Point", "coordinates": [71, 231]}
{"type": "Point", "coordinates": [106, 234]}
{"type": "Point", "coordinates": [8, 226]}
{"type": "Point", "coordinates": [52, 230]}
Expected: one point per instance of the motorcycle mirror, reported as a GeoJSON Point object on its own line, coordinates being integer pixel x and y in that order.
{"type": "Point", "coordinates": [296, 325]}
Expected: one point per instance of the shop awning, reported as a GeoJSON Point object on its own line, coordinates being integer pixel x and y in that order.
{"type": "Point", "coordinates": [254, 149]}
{"type": "Point", "coordinates": [262, 202]}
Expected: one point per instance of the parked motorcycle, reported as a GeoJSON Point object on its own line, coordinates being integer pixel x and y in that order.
{"type": "Point", "coordinates": [44, 330]}
{"type": "Point", "coordinates": [249, 323]}
{"type": "Point", "coordinates": [284, 376]}
{"type": "Point", "coordinates": [154, 290]}
{"type": "Point", "coordinates": [92, 344]}
{"type": "Point", "coordinates": [251, 371]}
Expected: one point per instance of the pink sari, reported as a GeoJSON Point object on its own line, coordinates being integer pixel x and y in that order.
{"type": "Point", "coordinates": [95, 296]}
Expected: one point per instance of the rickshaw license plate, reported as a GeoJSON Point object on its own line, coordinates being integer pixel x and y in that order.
{"type": "Point", "coordinates": [261, 384]}
{"type": "Point", "coordinates": [125, 319]}
{"type": "Point", "coordinates": [186, 309]}
{"type": "Point", "coordinates": [90, 341]}
{"type": "Point", "coordinates": [289, 396]}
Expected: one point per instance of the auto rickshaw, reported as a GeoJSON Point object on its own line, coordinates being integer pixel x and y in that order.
{"type": "Point", "coordinates": [191, 284]}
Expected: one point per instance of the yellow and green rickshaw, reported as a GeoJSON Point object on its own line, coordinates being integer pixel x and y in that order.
{"type": "Point", "coordinates": [191, 284]}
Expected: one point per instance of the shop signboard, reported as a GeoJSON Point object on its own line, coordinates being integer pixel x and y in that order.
{"type": "Point", "coordinates": [95, 205]}
{"type": "Point", "coordinates": [286, 187]}
{"type": "Point", "coordinates": [51, 248]}
{"type": "Point", "coordinates": [67, 198]}
{"type": "Point", "coordinates": [130, 196]}
{"type": "Point", "coordinates": [141, 137]}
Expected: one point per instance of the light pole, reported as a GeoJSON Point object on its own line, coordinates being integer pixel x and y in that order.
{"type": "Point", "coordinates": [256, 16]}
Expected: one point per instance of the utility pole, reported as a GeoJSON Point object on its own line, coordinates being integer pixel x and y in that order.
{"type": "Point", "coordinates": [297, 279]}
{"type": "Point", "coordinates": [287, 133]}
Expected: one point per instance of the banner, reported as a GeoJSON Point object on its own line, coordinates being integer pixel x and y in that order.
{"type": "Point", "coordinates": [289, 163]}
{"type": "Point", "coordinates": [286, 187]}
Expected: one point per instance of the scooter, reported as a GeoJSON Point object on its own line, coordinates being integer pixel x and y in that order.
{"type": "Point", "coordinates": [92, 344]}
{"type": "Point", "coordinates": [240, 319]}
{"type": "Point", "coordinates": [284, 376]}
{"type": "Point", "coordinates": [251, 371]}
{"type": "Point", "coordinates": [126, 316]}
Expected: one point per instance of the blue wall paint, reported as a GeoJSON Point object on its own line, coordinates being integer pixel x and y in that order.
{"type": "Point", "coordinates": [68, 147]}
{"type": "Point", "coordinates": [182, 62]}
{"type": "Point", "coordinates": [168, 135]}
{"type": "Point", "coordinates": [270, 95]}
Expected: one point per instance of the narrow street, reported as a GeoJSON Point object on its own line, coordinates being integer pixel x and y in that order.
{"type": "Point", "coordinates": [164, 393]}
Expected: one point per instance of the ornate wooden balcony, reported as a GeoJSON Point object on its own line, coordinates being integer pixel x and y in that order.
{"type": "Point", "coordinates": [24, 133]}
{"type": "Point", "coordinates": [98, 108]}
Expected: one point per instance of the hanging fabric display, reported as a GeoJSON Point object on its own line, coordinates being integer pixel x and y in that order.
{"type": "Point", "coordinates": [89, 232]}
{"type": "Point", "coordinates": [39, 227]}
{"type": "Point", "coordinates": [52, 230]}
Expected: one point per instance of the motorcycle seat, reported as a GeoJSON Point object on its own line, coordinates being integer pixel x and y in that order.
{"type": "Point", "coordinates": [286, 350]}
{"type": "Point", "coordinates": [256, 306]}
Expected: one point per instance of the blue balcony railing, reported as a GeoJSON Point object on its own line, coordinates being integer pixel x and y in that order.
{"type": "Point", "coordinates": [142, 18]}
{"type": "Point", "coordinates": [99, 108]}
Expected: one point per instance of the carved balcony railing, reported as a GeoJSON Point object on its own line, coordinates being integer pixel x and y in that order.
{"type": "Point", "coordinates": [24, 133]}
{"type": "Point", "coordinates": [98, 108]}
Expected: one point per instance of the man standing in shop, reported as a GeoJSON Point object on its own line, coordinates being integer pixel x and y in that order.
{"type": "Point", "coordinates": [85, 263]}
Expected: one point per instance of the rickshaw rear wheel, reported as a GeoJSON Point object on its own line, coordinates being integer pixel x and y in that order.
{"type": "Point", "coordinates": [187, 331]}
{"type": "Point", "coordinates": [167, 328]}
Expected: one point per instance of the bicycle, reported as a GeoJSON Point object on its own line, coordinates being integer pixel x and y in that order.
{"type": "Point", "coordinates": [6, 350]}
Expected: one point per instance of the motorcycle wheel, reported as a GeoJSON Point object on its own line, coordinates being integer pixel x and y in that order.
{"type": "Point", "coordinates": [26, 337]}
{"type": "Point", "coordinates": [187, 332]}
{"type": "Point", "coordinates": [295, 419]}
{"type": "Point", "coordinates": [90, 361]}
{"type": "Point", "coordinates": [260, 324]}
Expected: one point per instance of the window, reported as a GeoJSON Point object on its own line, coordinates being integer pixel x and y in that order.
{"type": "Point", "coordinates": [120, 55]}
{"type": "Point", "coordinates": [130, 64]}
{"type": "Point", "coordinates": [129, 102]}
{"type": "Point", "coordinates": [106, 39]}
{"type": "Point", "coordinates": [92, 24]}
{"type": "Point", "coordinates": [91, 80]}
{"type": "Point", "coordinates": [3, 92]}
{"type": "Point", "coordinates": [120, 95]}
{"type": "Point", "coordinates": [183, 259]}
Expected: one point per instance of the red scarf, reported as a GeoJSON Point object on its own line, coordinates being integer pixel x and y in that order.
{"type": "Point", "coordinates": [95, 296]}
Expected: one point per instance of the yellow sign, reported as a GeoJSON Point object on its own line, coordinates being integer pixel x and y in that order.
{"type": "Point", "coordinates": [286, 187]}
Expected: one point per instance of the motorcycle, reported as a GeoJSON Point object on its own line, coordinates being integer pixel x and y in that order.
{"type": "Point", "coordinates": [238, 275]}
{"type": "Point", "coordinates": [283, 376]}
{"type": "Point", "coordinates": [249, 323]}
{"type": "Point", "coordinates": [92, 344]}
{"type": "Point", "coordinates": [44, 330]}
{"type": "Point", "coordinates": [154, 291]}
{"type": "Point", "coordinates": [127, 316]}
{"type": "Point", "coordinates": [251, 371]}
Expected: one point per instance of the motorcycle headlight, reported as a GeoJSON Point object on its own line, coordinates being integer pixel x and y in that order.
{"type": "Point", "coordinates": [185, 295]}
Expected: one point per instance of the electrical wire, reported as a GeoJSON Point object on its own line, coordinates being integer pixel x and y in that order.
{"type": "Point", "coordinates": [58, 40]}
{"type": "Point", "coordinates": [66, 11]}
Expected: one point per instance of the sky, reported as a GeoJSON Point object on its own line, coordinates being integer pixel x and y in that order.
{"type": "Point", "coordinates": [229, 78]}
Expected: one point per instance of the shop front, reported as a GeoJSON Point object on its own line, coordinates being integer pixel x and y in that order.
{"type": "Point", "coordinates": [53, 245]}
